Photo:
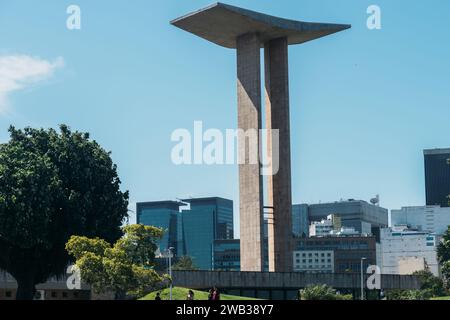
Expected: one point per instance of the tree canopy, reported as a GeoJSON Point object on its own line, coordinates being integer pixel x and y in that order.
{"type": "Point", "coordinates": [321, 292]}
{"type": "Point", "coordinates": [125, 267]}
{"type": "Point", "coordinates": [53, 185]}
{"type": "Point", "coordinates": [444, 254]}
{"type": "Point", "coordinates": [184, 263]}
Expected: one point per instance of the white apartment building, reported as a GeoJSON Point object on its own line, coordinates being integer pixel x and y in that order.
{"type": "Point", "coordinates": [323, 227]}
{"type": "Point", "coordinates": [433, 219]}
{"type": "Point", "coordinates": [404, 251]}
{"type": "Point", "coordinates": [314, 261]}
{"type": "Point", "coordinates": [330, 226]}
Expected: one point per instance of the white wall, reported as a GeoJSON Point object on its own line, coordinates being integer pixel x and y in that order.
{"type": "Point", "coordinates": [397, 248]}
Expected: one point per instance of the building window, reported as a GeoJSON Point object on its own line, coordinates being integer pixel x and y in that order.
{"type": "Point", "coordinates": [53, 294]}
{"type": "Point", "coordinates": [64, 294]}
{"type": "Point", "coordinates": [8, 294]}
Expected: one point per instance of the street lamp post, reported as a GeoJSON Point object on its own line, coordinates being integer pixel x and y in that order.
{"type": "Point", "coordinates": [170, 271]}
{"type": "Point", "coordinates": [362, 278]}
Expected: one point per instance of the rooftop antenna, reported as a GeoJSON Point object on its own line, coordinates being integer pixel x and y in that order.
{"type": "Point", "coordinates": [375, 201]}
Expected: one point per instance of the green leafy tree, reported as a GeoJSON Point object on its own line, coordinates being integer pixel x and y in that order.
{"type": "Point", "coordinates": [53, 185]}
{"type": "Point", "coordinates": [431, 285]}
{"type": "Point", "coordinates": [398, 294]}
{"type": "Point", "coordinates": [125, 267]}
{"type": "Point", "coordinates": [448, 196]}
{"type": "Point", "coordinates": [443, 252]}
{"type": "Point", "coordinates": [184, 263]}
{"type": "Point", "coordinates": [321, 292]}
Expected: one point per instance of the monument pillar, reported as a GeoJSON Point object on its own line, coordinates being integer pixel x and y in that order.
{"type": "Point", "coordinates": [279, 184]}
{"type": "Point", "coordinates": [247, 31]}
{"type": "Point", "coordinates": [250, 180]}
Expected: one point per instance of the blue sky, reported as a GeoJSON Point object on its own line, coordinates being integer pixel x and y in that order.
{"type": "Point", "coordinates": [364, 103]}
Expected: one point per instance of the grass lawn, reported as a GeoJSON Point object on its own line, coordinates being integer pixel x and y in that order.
{"type": "Point", "coordinates": [441, 298]}
{"type": "Point", "coordinates": [181, 294]}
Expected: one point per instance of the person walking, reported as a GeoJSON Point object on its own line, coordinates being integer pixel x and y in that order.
{"type": "Point", "coordinates": [216, 294]}
{"type": "Point", "coordinates": [158, 296]}
{"type": "Point", "coordinates": [190, 295]}
{"type": "Point", "coordinates": [210, 295]}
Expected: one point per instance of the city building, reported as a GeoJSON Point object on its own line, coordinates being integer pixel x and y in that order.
{"type": "Point", "coordinates": [437, 177]}
{"type": "Point", "coordinates": [321, 228]}
{"type": "Point", "coordinates": [331, 225]}
{"type": "Point", "coordinates": [165, 215]}
{"type": "Point", "coordinates": [314, 261]}
{"type": "Point", "coordinates": [358, 214]}
{"type": "Point", "coordinates": [432, 219]}
{"type": "Point", "coordinates": [227, 255]}
{"type": "Point", "coordinates": [191, 225]}
{"type": "Point", "coordinates": [345, 231]}
{"type": "Point", "coordinates": [300, 220]}
{"type": "Point", "coordinates": [206, 220]}
{"type": "Point", "coordinates": [404, 250]}
{"type": "Point", "coordinates": [348, 250]}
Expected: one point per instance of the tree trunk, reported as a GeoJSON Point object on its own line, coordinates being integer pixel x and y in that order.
{"type": "Point", "coordinates": [26, 289]}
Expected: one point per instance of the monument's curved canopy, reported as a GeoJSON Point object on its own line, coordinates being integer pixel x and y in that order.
{"type": "Point", "coordinates": [222, 24]}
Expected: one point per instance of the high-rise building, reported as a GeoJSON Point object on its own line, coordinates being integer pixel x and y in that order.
{"type": "Point", "coordinates": [433, 219]}
{"type": "Point", "coordinates": [165, 215]}
{"type": "Point", "coordinates": [300, 221]}
{"type": "Point", "coordinates": [365, 218]}
{"type": "Point", "coordinates": [208, 219]}
{"type": "Point", "coordinates": [191, 225]}
{"type": "Point", "coordinates": [437, 177]}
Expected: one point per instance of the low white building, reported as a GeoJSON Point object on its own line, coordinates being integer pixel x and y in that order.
{"type": "Point", "coordinates": [345, 231]}
{"type": "Point", "coordinates": [320, 228]}
{"type": "Point", "coordinates": [433, 219]}
{"type": "Point", "coordinates": [332, 225]}
{"type": "Point", "coordinates": [314, 261]}
{"type": "Point", "coordinates": [404, 251]}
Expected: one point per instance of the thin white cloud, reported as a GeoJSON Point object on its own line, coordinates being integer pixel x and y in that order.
{"type": "Point", "coordinates": [20, 71]}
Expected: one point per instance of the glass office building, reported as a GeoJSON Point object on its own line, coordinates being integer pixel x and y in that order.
{"type": "Point", "coordinates": [300, 220]}
{"type": "Point", "coordinates": [165, 215]}
{"type": "Point", "coordinates": [206, 220]}
{"type": "Point", "coordinates": [437, 177]}
{"type": "Point", "coordinates": [227, 255]}
{"type": "Point", "coordinates": [191, 225]}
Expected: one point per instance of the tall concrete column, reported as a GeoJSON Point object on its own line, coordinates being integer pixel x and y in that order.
{"type": "Point", "coordinates": [245, 30]}
{"type": "Point", "coordinates": [279, 184]}
{"type": "Point", "coordinates": [250, 179]}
